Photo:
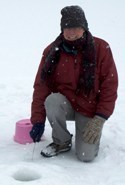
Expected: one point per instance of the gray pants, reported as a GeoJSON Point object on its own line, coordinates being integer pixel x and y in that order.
{"type": "Point", "coordinates": [59, 110]}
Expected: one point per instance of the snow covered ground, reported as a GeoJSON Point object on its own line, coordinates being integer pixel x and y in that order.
{"type": "Point", "coordinates": [26, 27]}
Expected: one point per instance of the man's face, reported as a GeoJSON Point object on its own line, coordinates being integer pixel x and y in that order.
{"type": "Point", "coordinates": [73, 34]}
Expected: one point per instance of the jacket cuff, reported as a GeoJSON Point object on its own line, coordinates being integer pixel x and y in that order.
{"type": "Point", "coordinates": [102, 115]}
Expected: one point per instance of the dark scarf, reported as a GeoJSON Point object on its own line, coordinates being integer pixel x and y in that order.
{"type": "Point", "coordinates": [86, 45]}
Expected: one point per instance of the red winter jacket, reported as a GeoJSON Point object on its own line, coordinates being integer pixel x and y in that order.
{"type": "Point", "coordinates": [65, 78]}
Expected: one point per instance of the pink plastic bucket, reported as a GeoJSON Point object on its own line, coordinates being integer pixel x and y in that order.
{"type": "Point", "coordinates": [22, 130]}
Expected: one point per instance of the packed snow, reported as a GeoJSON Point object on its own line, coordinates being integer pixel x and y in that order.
{"type": "Point", "coordinates": [26, 28]}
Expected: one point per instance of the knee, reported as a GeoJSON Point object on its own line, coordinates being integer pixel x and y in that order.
{"type": "Point", "coordinates": [53, 99]}
{"type": "Point", "coordinates": [53, 104]}
{"type": "Point", "coordinates": [50, 100]}
{"type": "Point", "coordinates": [87, 152]}
{"type": "Point", "coordinates": [85, 158]}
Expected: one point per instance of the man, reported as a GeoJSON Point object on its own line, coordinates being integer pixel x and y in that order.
{"type": "Point", "coordinates": [76, 80]}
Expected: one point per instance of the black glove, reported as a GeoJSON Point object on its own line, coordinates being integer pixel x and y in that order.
{"type": "Point", "coordinates": [37, 132]}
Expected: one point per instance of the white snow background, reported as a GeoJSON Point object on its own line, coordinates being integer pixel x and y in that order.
{"type": "Point", "coordinates": [26, 28]}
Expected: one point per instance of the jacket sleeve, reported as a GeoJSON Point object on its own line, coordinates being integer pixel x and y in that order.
{"type": "Point", "coordinates": [108, 84]}
{"type": "Point", "coordinates": [41, 91]}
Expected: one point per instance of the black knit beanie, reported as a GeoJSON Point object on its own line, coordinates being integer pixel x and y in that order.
{"type": "Point", "coordinates": [73, 16]}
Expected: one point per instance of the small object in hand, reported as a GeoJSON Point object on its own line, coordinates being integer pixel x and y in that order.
{"type": "Point", "coordinates": [37, 132]}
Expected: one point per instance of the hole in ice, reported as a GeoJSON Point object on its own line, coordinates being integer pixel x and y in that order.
{"type": "Point", "coordinates": [26, 175]}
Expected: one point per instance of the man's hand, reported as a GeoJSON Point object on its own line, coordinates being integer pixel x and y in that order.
{"type": "Point", "coordinates": [92, 132]}
{"type": "Point", "coordinates": [37, 132]}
